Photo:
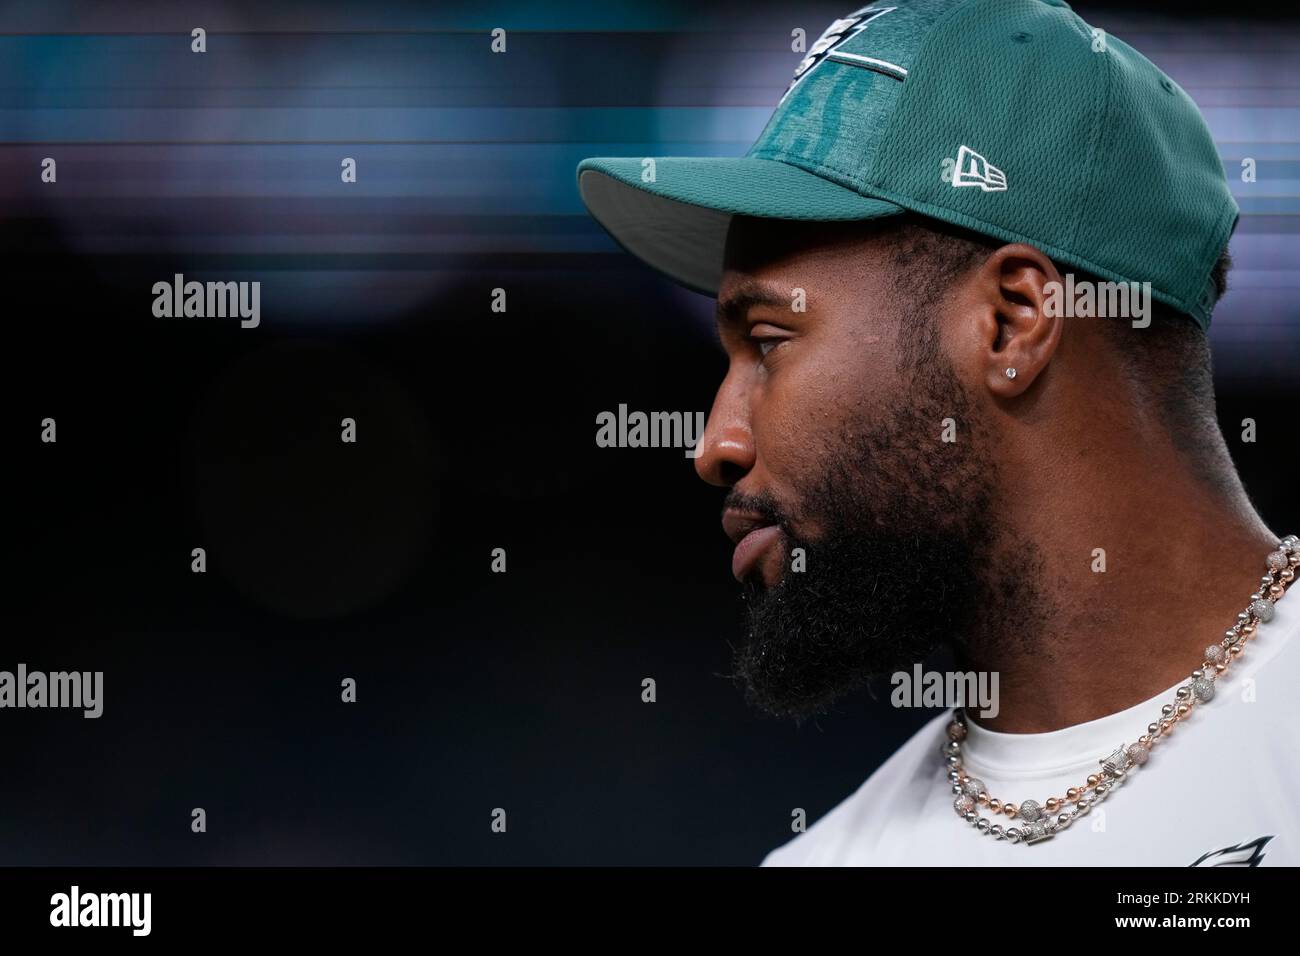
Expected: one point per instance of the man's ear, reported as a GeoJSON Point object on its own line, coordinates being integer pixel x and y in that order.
{"type": "Point", "coordinates": [1014, 327]}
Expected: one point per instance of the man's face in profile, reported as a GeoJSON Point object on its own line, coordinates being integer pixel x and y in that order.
{"type": "Point", "coordinates": [860, 531]}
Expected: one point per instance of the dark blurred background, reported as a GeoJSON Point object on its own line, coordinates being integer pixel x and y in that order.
{"type": "Point", "coordinates": [475, 429]}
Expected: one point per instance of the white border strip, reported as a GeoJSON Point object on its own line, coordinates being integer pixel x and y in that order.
{"type": "Point", "coordinates": [870, 61]}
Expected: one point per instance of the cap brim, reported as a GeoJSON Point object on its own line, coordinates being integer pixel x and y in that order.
{"type": "Point", "coordinates": [678, 223]}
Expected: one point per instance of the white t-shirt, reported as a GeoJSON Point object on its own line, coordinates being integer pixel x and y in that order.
{"type": "Point", "coordinates": [1225, 782]}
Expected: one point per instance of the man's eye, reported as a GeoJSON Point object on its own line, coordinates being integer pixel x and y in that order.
{"type": "Point", "coordinates": [766, 343]}
{"type": "Point", "coordinates": [766, 337]}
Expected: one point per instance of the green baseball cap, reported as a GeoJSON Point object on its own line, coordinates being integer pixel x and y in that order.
{"type": "Point", "coordinates": [1010, 118]}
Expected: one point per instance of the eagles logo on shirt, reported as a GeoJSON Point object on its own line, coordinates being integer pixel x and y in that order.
{"type": "Point", "coordinates": [835, 34]}
{"type": "Point", "coordinates": [1243, 854]}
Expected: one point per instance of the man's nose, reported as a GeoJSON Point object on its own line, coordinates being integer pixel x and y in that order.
{"type": "Point", "coordinates": [727, 447]}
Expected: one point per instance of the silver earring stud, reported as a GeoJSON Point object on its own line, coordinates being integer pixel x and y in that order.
{"type": "Point", "coordinates": [1011, 373]}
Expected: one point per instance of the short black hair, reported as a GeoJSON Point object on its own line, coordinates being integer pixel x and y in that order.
{"type": "Point", "coordinates": [1168, 361]}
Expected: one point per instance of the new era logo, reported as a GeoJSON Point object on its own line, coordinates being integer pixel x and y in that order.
{"type": "Point", "coordinates": [972, 169]}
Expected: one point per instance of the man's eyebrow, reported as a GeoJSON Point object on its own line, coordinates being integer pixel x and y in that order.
{"type": "Point", "coordinates": [745, 297]}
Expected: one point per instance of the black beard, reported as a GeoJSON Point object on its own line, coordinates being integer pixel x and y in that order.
{"type": "Point", "coordinates": [899, 570]}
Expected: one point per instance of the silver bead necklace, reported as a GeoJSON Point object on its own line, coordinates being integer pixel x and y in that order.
{"type": "Point", "coordinates": [1041, 821]}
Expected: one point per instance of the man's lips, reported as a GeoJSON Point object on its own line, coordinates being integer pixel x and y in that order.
{"type": "Point", "coordinates": [753, 535]}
